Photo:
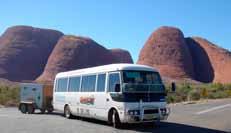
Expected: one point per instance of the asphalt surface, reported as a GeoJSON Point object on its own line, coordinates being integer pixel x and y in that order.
{"type": "Point", "coordinates": [205, 117]}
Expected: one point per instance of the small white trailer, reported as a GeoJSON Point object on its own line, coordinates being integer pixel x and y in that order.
{"type": "Point", "coordinates": [35, 96]}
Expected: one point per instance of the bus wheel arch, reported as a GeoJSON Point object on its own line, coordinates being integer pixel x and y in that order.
{"type": "Point", "coordinates": [67, 111]}
{"type": "Point", "coordinates": [113, 117]}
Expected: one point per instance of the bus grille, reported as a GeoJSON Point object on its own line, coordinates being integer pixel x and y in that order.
{"type": "Point", "coordinates": [151, 111]}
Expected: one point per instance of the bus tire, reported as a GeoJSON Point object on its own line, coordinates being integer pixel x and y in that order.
{"type": "Point", "coordinates": [67, 112]}
{"type": "Point", "coordinates": [115, 119]}
{"type": "Point", "coordinates": [157, 123]}
{"type": "Point", "coordinates": [23, 108]}
{"type": "Point", "coordinates": [30, 109]}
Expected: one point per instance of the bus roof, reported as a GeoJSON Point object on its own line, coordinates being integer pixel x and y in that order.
{"type": "Point", "coordinates": [106, 68]}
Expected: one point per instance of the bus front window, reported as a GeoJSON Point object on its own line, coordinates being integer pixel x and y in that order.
{"type": "Point", "coordinates": [142, 81]}
{"type": "Point", "coordinates": [114, 82]}
{"type": "Point", "coordinates": [141, 77]}
{"type": "Point", "coordinates": [137, 85]}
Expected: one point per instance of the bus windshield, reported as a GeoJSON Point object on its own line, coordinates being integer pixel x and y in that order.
{"type": "Point", "coordinates": [142, 81]}
{"type": "Point", "coordinates": [141, 77]}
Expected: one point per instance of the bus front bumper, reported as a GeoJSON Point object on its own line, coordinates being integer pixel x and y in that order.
{"type": "Point", "coordinates": [149, 115]}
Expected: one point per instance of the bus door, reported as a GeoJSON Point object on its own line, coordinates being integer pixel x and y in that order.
{"type": "Point", "coordinates": [113, 86]}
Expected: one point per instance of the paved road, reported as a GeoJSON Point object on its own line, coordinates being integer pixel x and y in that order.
{"type": "Point", "coordinates": [208, 117]}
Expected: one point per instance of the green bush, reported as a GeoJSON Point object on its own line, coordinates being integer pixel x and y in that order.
{"type": "Point", "coordinates": [194, 95]}
{"type": "Point", "coordinates": [228, 91]}
{"type": "Point", "coordinates": [187, 92]}
{"type": "Point", "coordinates": [218, 94]}
{"type": "Point", "coordinates": [9, 95]}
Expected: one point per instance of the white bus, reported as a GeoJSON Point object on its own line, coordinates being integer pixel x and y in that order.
{"type": "Point", "coordinates": [117, 93]}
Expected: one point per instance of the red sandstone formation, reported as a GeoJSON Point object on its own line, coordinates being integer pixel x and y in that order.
{"type": "Point", "coordinates": [213, 62]}
{"type": "Point", "coordinates": [73, 53]}
{"type": "Point", "coordinates": [24, 52]}
{"type": "Point", "coordinates": [167, 51]}
{"type": "Point", "coordinates": [121, 56]}
{"type": "Point", "coordinates": [193, 58]}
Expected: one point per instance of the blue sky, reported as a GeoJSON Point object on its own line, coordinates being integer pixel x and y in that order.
{"type": "Point", "coordinates": [122, 23]}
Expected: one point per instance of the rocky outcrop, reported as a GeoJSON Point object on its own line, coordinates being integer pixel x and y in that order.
{"type": "Point", "coordinates": [24, 51]}
{"type": "Point", "coordinates": [191, 58]}
{"type": "Point", "coordinates": [203, 69]}
{"type": "Point", "coordinates": [121, 56]}
{"type": "Point", "coordinates": [73, 52]}
{"type": "Point", "coordinates": [167, 51]}
{"type": "Point", "coordinates": [28, 53]}
{"type": "Point", "coordinates": [212, 62]}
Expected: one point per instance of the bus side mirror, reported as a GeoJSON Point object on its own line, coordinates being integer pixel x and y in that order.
{"type": "Point", "coordinates": [173, 88]}
{"type": "Point", "coordinates": [117, 88]}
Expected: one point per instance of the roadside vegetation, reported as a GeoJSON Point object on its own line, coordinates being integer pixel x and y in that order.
{"type": "Point", "coordinates": [194, 92]}
{"type": "Point", "coordinates": [9, 95]}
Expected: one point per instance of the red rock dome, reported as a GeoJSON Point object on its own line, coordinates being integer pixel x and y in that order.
{"type": "Point", "coordinates": [167, 51]}
{"type": "Point", "coordinates": [121, 56]}
{"type": "Point", "coordinates": [72, 53]}
{"type": "Point", "coordinates": [24, 51]}
{"type": "Point", "coordinates": [217, 64]}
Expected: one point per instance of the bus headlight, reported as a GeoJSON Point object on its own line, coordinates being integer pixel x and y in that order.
{"type": "Point", "coordinates": [130, 112]}
{"type": "Point", "coordinates": [133, 112]}
{"type": "Point", "coordinates": [163, 110]}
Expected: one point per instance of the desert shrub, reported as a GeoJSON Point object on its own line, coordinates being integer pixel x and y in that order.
{"type": "Point", "coordinates": [204, 93]}
{"type": "Point", "coordinates": [187, 91]}
{"type": "Point", "coordinates": [181, 93]}
{"type": "Point", "coordinates": [170, 99]}
{"type": "Point", "coordinates": [174, 98]}
{"type": "Point", "coordinates": [227, 86]}
{"type": "Point", "coordinates": [228, 91]}
{"type": "Point", "coordinates": [194, 95]}
{"type": "Point", "coordinates": [9, 95]}
{"type": "Point", "coordinates": [218, 94]}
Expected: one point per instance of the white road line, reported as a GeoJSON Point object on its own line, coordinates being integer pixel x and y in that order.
{"type": "Point", "coordinates": [213, 109]}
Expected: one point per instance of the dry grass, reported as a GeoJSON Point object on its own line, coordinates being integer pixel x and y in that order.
{"type": "Point", "coordinates": [193, 92]}
{"type": "Point", "coordinates": [9, 95]}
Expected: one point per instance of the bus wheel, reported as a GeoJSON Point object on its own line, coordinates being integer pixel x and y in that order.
{"type": "Point", "coordinates": [30, 109]}
{"type": "Point", "coordinates": [157, 123]}
{"type": "Point", "coordinates": [116, 120]}
{"type": "Point", "coordinates": [67, 112]}
{"type": "Point", "coordinates": [23, 108]}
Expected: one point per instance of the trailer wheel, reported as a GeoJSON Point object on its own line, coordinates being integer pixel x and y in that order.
{"type": "Point", "coordinates": [115, 119]}
{"type": "Point", "coordinates": [23, 108]}
{"type": "Point", "coordinates": [50, 110]}
{"type": "Point", "coordinates": [42, 111]}
{"type": "Point", "coordinates": [30, 109]}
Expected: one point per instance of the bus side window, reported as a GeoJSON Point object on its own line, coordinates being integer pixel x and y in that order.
{"type": "Point", "coordinates": [114, 79]}
{"type": "Point", "coordinates": [74, 83]}
{"type": "Point", "coordinates": [62, 85]}
{"type": "Point", "coordinates": [88, 83]}
{"type": "Point", "coordinates": [101, 83]}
